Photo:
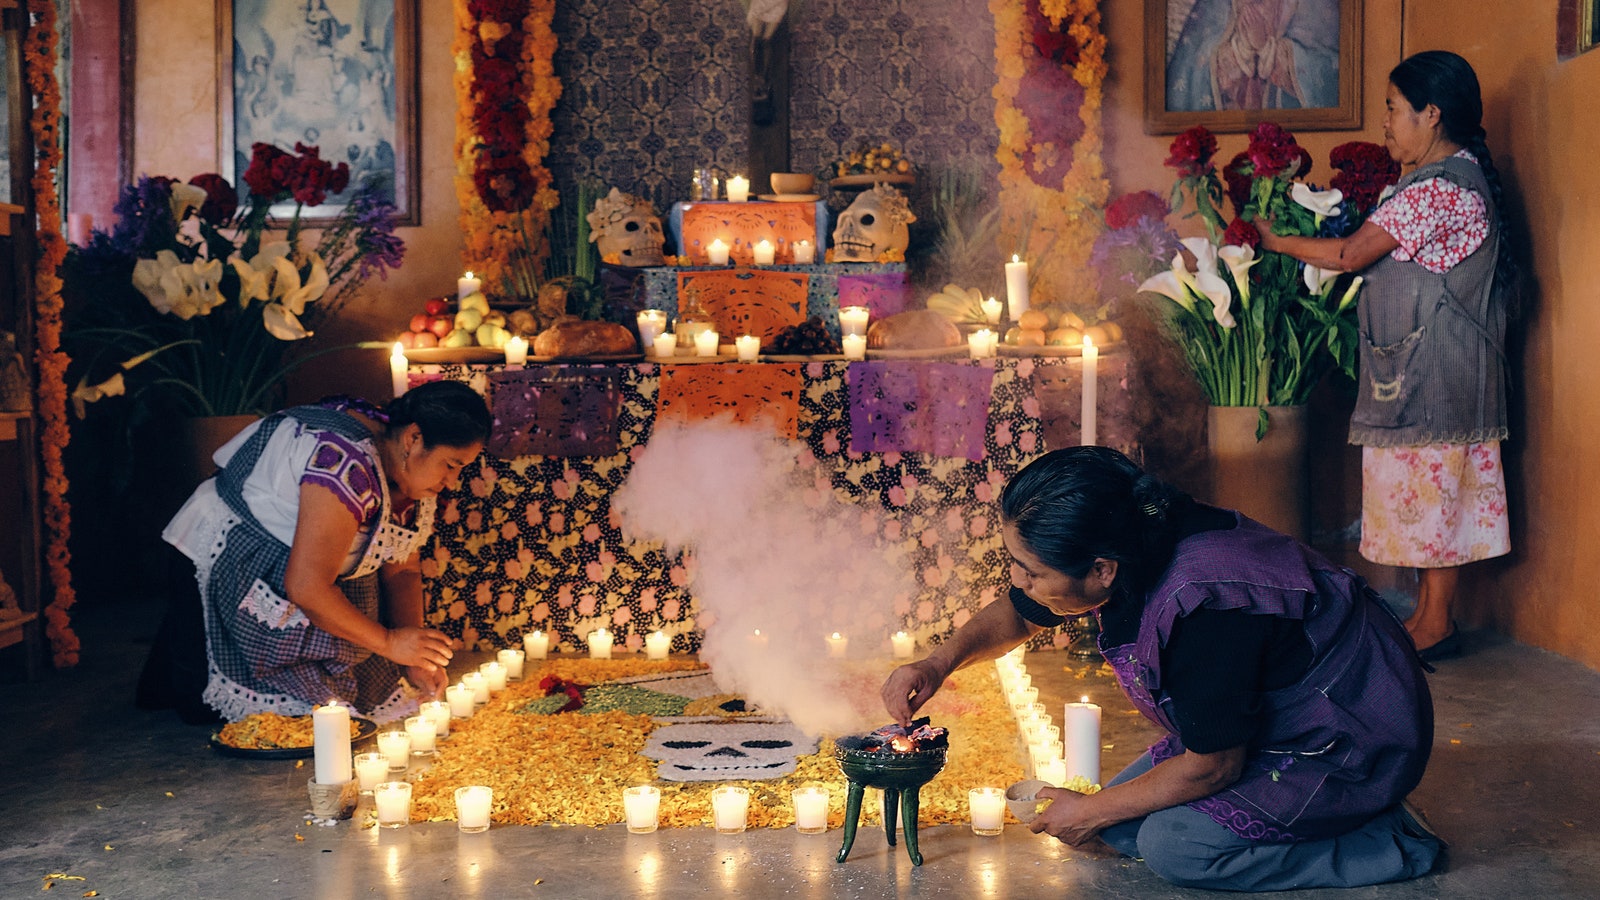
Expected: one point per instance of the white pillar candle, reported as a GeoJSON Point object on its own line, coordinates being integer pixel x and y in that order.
{"type": "Point", "coordinates": [853, 320]}
{"type": "Point", "coordinates": [472, 808]}
{"type": "Point", "coordinates": [838, 645]}
{"type": "Point", "coordinates": [805, 253]}
{"type": "Point", "coordinates": [516, 350]}
{"type": "Point", "coordinates": [467, 285]}
{"type": "Point", "coordinates": [855, 346]}
{"type": "Point", "coordinates": [393, 800]}
{"type": "Point", "coordinates": [1091, 366]}
{"type": "Point", "coordinates": [763, 253]}
{"type": "Point", "coordinates": [1053, 771]}
{"type": "Point", "coordinates": [479, 683]}
{"type": "Point", "coordinates": [979, 344]}
{"type": "Point", "coordinates": [748, 347]}
{"type": "Point", "coordinates": [371, 770]}
{"type": "Point", "coordinates": [330, 736]}
{"type": "Point", "coordinates": [397, 369]}
{"type": "Point", "coordinates": [438, 712]}
{"type": "Point", "coordinates": [512, 659]}
{"type": "Point", "coordinates": [657, 644]}
{"type": "Point", "coordinates": [652, 322]}
{"type": "Point", "coordinates": [705, 343]}
{"type": "Point", "coordinates": [665, 345]}
{"type": "Point", "coordinates": [738, 189]}
{"type": "Point", "coordinates": [988, 808]}
{"type": "Point", "coordinates": [395, 747]}
{"type": "Point", "coordinates": [1080, 730]}
{"type": "Point", "coordinates": [600, 644]}
{"type": "Point", "coordinates": [641, 805]}
{"type": "Point", "coordinates": [717, 253]}
{"type": "Point", "coordinates": [730, 806]}
{"type": "Point", "coordinates": [810, 809]}
{"type": "Point", "coordinates": [904, 645]}
{"type": "Point", "coordinates": [460, 698]}
{"type": "Point", "coordinates": [536, 644]}
{"type": "Point", "coordinates": [991, 311]}
{"type": "Point", "coordinates": [1016, 287]}
{"type": "Point", "coordinates": [495, 674]}
{"type": "Point", "coordinates": [423, 733]}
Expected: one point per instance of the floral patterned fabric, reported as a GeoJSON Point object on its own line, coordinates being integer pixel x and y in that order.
{"type": "Point", "coordinates": [1433, 506]}
{"type": "Point", "coordinates": [1438, 223]}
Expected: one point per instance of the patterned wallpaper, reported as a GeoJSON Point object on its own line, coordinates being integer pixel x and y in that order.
{"type": "Point", "coordinates": [654, 88]}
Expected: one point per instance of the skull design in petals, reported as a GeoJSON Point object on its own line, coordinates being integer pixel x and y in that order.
{"type": "Point", "coordinates": [727, 751]}
{"type": "Point", "coordinates": [873, 225]}
{"type": "Point", "coordinates": [626, 229]}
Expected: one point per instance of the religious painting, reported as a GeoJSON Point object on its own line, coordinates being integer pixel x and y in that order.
{"type": "Point", "coordinates": [340, 75]}
{"type": "Point", "coordinates": [1231, 64]}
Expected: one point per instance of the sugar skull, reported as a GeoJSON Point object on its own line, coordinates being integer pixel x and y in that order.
{"type": "Point", "coordinates": [873, 225]}
{"type": "Point", "coordinates": [727, 751]}
{"type": "Point", "coordinates": [626, 229]}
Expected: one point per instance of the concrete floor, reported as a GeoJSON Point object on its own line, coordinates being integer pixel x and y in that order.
{"type": "Point", "coordinates": [140, 806]}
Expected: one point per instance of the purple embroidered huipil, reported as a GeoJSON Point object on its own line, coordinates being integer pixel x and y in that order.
{"type": "Point", "coordinates": [1348, 740]}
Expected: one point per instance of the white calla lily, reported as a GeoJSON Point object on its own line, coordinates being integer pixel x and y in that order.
{"type": "Point", "coordinates": [1168, 285]}
{"type": "Point", "coordinates": [283, 324]}
{"type": "Point", "coordinates": [1205, 280]}
{"type": "Point", "coordinates": [148, 275]}
{"type": "Point", "coordinates": [86, 393]}
{"type": "Point", "coordinates": [1350, 293]}
{"type": "Point", "coordinates": [1323, 203]}
{"type": "Point", "coordinates": [185, 197]}
{"type": "Point", "coordinates": [288, 290]}
{"type": "Point", "coordinates": [1239, 259]}
{"type": "Point", "coordinates": [1319, 280]}
{"type": "Point", "coordinates": [255, 276]}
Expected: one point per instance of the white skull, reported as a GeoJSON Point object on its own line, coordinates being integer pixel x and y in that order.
{"type": "Point", "coordinates": [719, 751]}
{"type": "Point", "coordinates": [873, 225]}
{"type": "Point", "coordinates": [627, 229]}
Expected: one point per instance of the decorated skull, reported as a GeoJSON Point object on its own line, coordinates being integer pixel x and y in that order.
{"type": "Point", "coordinates": [626, 229]}
{"type": "Point", "coordinates": [873, 225]}
{"type": "Point", "coordinates": [718, 751]}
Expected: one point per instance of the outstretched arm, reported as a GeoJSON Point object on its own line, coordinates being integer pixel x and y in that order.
{"type": "Point", "coordinates": [994, 630]}
{"type": "Point", "coordinates": [1347, 254]}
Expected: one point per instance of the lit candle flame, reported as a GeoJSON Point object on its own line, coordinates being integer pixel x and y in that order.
{"type": "Point", "coordinates": [469, 274]}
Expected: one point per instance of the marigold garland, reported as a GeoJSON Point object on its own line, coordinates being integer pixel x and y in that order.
{"type": "Point", "coordinates": [506, 89]}
{"type": "Point", "coordinates": [1051, 194]}
{"type": "Point", "coordinates": [39, 61]}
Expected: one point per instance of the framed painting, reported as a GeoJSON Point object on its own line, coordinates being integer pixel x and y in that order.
{"type": "Point", "coordinates": [1230, 64]}
{"type": "Point", "coordinates": [340, 75]}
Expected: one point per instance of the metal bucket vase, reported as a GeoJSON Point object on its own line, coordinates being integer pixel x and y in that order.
{"type": "Point", "coordinates": [1265, 479]}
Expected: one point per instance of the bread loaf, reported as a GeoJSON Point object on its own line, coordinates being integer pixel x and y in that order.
{"type": "Point", "coordinates": [585, 339]}
{"type": "Point", "coordinates": [917, 329]}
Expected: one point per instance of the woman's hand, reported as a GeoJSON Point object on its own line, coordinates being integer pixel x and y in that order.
{"type": "Point", "coordinates": [909, 687]}
{"type": "Point", "coordinates": [428, 680]}
{"type": "Point", "coordinates": [1068, 818]}
{"type": "Point", "coordinates": [1263, 225]}
{"type": "Point", "coordinates": [422, 648]}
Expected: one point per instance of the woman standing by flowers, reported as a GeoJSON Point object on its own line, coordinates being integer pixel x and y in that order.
{"type": "Point", "coordinates": [1432, 409]}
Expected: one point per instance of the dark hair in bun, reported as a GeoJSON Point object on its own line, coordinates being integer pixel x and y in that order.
{"type": "Point", "coordinates": [448, 413]}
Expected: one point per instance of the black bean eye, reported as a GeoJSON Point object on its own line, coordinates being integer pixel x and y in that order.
{"type": "Point", "coordinates": [685, 745]}
{"type": "Point", "coordinates": [631, 226]}
{"type": "Point", "coordinates": [868, 219]}
{"type": "Point", "coordinates": [766, 745]}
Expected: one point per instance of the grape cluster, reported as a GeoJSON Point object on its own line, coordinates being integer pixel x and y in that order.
{"type": "Point", "coordinates": [809, 338]}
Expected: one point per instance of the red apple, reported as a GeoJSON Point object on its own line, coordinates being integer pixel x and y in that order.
{"type": "Point", "coordinates": [408, 339]}
{"type": "Point", "coordinates": [426, 339]}
{"type": "Point", "coordinates": [437, 306]}
{"type": "Point", "coordinates": [419, 322]}
{"type": "Point", "coordinates": [442, 325]}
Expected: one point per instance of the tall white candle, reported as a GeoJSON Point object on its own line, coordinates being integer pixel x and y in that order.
{"type": "Point", "coordinates": [467, 285]}
{"type": "Point", "coordinates": [992, 310]}
{"type": "Point", "coordinates": [838, 645]}
{"type": "Point", "coordinates": [1080, 727]}
{"type": "Point", "coordinates": [472, 808]}
{"type": "Point", "coordinates": [599, 644]}
{"type": "Point", "coordinates": [904, 645]}
{"type": "Point", "coordinates": [397, 369]}
{"type": "Point", "coordinates": [1091, 376]}
{"type": "Point", "coordinates": [665, 345]}
{"type": "Point", "coordinates": [748, 346]}
{"type": "Point", "coordinates": [705, 343]}
{"type": "Point", "coordinates": [1016, 287]}
{"type": "Point", "coordinates": [371, 770]}
{"type": "Point", "coordinates": [439, 712]}
{"type": "Point", "coordinates": [652, 322]}
{"type": "Point", "coordinates": [330, 735]}
{"type": "Point", "coordinates": [855, 346]}
{"type": "Point", "coordinates": [763, 253]}
{"type": "Point", "coordinates": [460, 699]}
{"type": "Point", "coordinates": [495, 674]}
{"type": "Point", "coordinates": [988, 808]}
{"type": "Point", "coordinates": [423, 733]}
{"type": "Point", "coordinates": [512, 659]}
{"type": "Point", "coordinates": [479, 683]}
{"type": "Point", "coordinates": [641, 804]}
{"type": "Point", "coordinates": [853, 320]}
{"type": "Point", "coordinates": [536, 644]}
{"type": "Point", "coordinates": [810, 809]}
{"type": "Point", "coordinates": [395, 747]}
{"type": "Point", "coordinates": [393, 800]}
{"type": "Point", "coordinates": [730, 806]}
{"type": "Point", "coordinates": [738, 189]}
{"type": "Point", "coordinates": [717, 253]}
{"type": "Point", "coordinates": [657, 644]}
{"type": "Point", "coordinates": [516, 350]}
{"type": "Point", "coordinates": [805, 253]}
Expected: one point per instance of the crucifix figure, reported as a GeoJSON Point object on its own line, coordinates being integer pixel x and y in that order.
{"type": "Point", "coordinates": [764, 18]}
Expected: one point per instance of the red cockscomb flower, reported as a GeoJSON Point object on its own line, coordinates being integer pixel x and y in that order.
{"type": "Point", "coordinates": [1128, 209]}
{"type": "Point", "coordinates": [1191, 151]}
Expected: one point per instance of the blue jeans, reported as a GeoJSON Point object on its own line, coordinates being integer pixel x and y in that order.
{"type": "Point", "coordinates": [1188, 848]}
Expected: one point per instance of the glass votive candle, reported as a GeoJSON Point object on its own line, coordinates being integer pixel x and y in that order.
{"type": "Point", "coordinates": [810, 809]}
{"type": "Point", "coordinates": [423, 733]}
{"type": "Point", "coordinates": [853, 320]}
{"type": "Point", "coordinates": [988, 809]}
{"type": "Point", "coordinates": [371, 770]}
{"type": "Point", "coordinates": [437, 712]}
{"type": "Point", "coordinates": [652, 322]}
{"type": "Point", "coordinates": [664, 345]}
{"type": "Point", "coordinates": [396, 747]}
{"type": "Point", "coordinates": [705, 343]}
{"type": "Point", "coordinates": [657, 644]}
{"type": "Point", "coordinates": [904, 645]}
{"type": "Point", "coordinates": [460, 698]}
{"type": "Point", "coordinates": [480, 686]}
{"type": "Point", "coordinates": [641, 804]}
{"type": "Point", "coordinates": [730, 807]}
{"type": "Point", "coordinates": [393, 800]}
{"type": "Point", "coordinates": [536, 644]}
{"type": "Point", "coordinates": [495, 674]}
{"type": "Point", "coordinates": [600, 641]}
{"type": "Point", "coordinates": [747, 346]}
{"type": "Point", "coordinates": [472, 808]}
{"type": "Point", "coordinates": [512, 659]}
{"type": "Point", "coordinates": [855, 346]}
{"type": "Point", "coordinates": [838, 645]}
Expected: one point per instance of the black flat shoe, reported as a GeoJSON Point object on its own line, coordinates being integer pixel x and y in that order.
{"type": "Point", "coordinates": [1447, 647]}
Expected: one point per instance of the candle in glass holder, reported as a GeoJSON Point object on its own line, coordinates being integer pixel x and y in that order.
{"type": "Point", "coordinates": [705, 343]}
{"type": "Point", "coordinates": [838, 645]}
{"type": "Point", "coordinates": [717, 252]}
{"type": "Point", "coordinates": [665, 345]}
{"type": "Point", "coordinates": [397, 369]}
{"type": "Point", "coordinates": [479, 683]}
{"type": "Point", "coordinates": [495, 674]}
{"type": "Point", "coordinates": [805, 253]}
{"type": "Point", "coordinates": [853, 320]}
{"type": "Point", "coordinates": [330, 735]}
{"type": "Point", "coordinates": [1052, 770]}
{"type": "Point", "coordinates": [738, 189]}
{"type": "Point", "coordinates": [599, 644]}
{"type": "Point", "coordinates": [512, 659]}
{"type": "Point", "coordinates": [467, 285]}
{"type": "Point", "coordinates": [472, 808]}
{"type": "Point", "coordinates": [904, 645]}
{"type": "Point", "coordinates": [423, 733]}
{"type": "Point", "coordinates": [992, 309]}
{"type": "Point", "coordinates": [763, 253]}
{"type": "Point", "coordinates": [657, 644]}
{"type": "Point", "coordinates": [516, 350]}
{"type": "Point", "coordinates": [396, 748]}
{"type": "Point", "coordinates": [730, 807]}
{"type": "Point", "coordinates": [460, 699]}
{"type": "Point", "coordinates": [652, 322]}
{"type": "Point", "coordinates": [1080, 728]}
{"type": "Point", "coordinates": [371, 770]}
{"type": "Point", "coordinates": [438, 712]}
{"type": "Point", "coordinates": [393, 800]}
{"type": "Point", "coordinates": [536, 644]}
{"type": "Point", "coordinates": [810, 809]}
{"type": "Point", "coordinates": [641, 805]}
{"type": "Point", "coordinates": [980, 344]}
{"type": "Point", "coordinates": [1016, 287]}
{"type": "Point", "coordinates": [748, 346]}
{"type": "Point", "coordinates": [988, 807]}
{"type": "Point", "coordinates": [855, 346]}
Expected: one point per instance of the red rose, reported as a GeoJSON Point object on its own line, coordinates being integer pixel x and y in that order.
{"type": "Point", "coordinates": [222, 201]}
{"type": "Point", "coordinates": [1128, 209]}
{"type": "Point", "coordinates": [1191, 152]}
{"type": "Point", "coordinates": [1242, 234]}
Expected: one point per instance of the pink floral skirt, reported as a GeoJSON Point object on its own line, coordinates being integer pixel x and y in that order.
{"type": "Point", "coordinates": [1433, 506]}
